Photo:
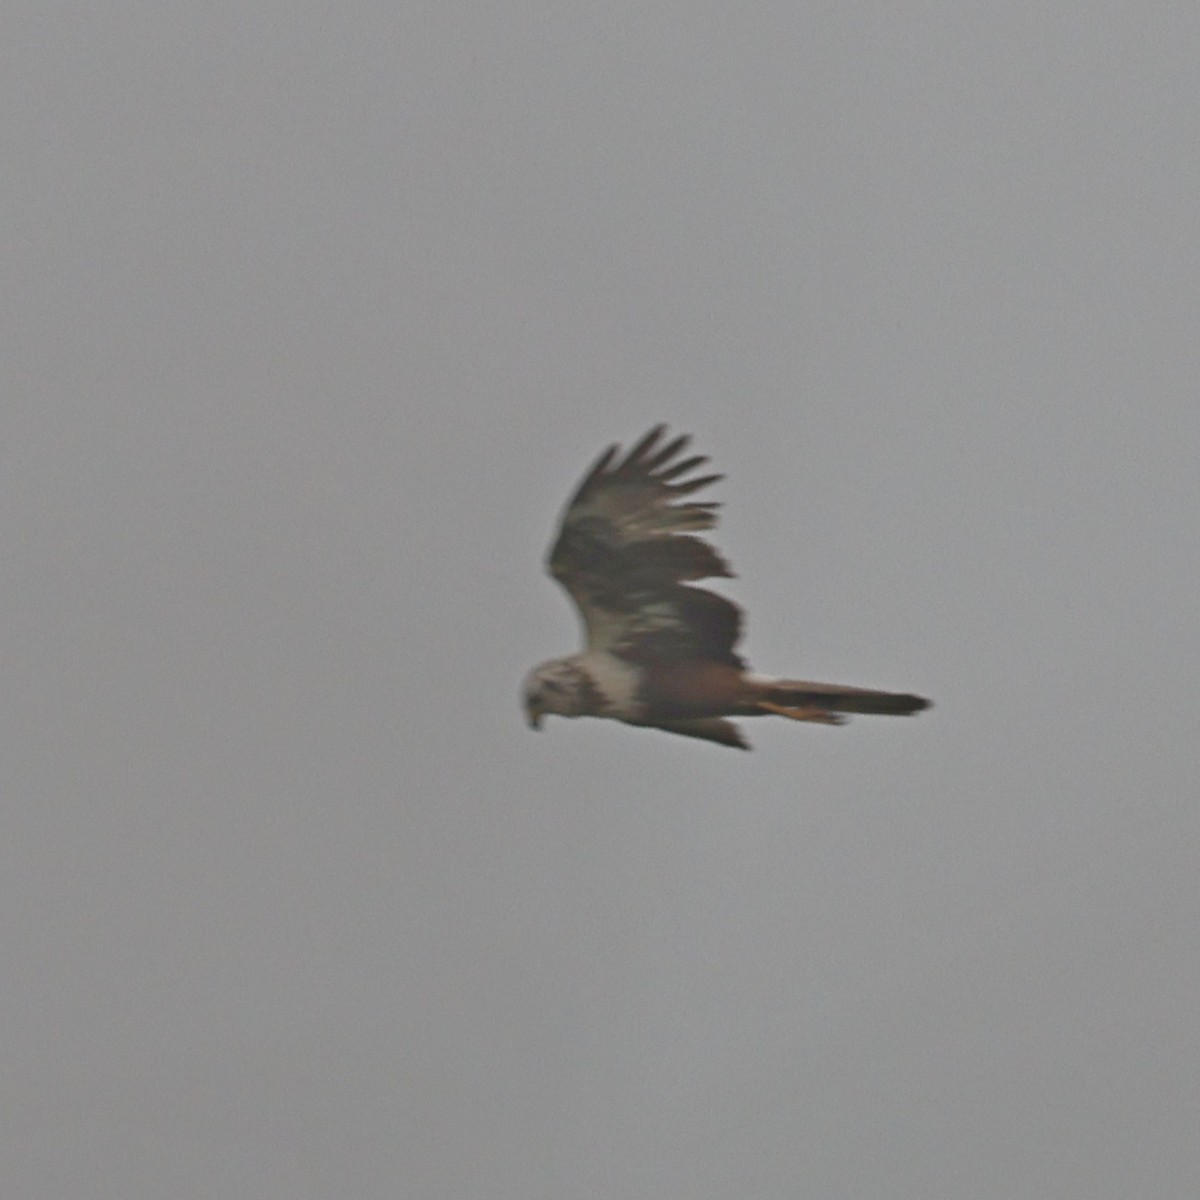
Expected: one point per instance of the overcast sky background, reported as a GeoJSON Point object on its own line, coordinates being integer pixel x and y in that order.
{"type": "Point", "coordinates": [313, 314]}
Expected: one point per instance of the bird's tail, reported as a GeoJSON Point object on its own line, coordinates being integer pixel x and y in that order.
{"type": "Point", "coordinates": [823, 702]}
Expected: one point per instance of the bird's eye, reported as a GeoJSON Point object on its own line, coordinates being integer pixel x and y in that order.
{"type": "Point", "coordinates": [550, 686]}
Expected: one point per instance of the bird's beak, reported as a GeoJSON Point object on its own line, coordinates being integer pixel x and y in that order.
{"type": "Point", "coordinates": [534, 718]}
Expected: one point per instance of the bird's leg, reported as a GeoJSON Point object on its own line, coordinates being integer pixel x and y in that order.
{"type": "Point", "coordinates": [822, 716]}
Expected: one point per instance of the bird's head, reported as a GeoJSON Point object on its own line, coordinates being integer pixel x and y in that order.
{"type": "Point", "coordinates": [557, 686]}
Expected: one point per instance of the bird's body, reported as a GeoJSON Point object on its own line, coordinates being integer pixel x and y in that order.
{"type": "Point", "coordinates": [660, 651]}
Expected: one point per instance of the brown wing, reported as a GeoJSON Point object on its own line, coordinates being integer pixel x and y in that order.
{"type": "Point", "coordinates": [626, 549]}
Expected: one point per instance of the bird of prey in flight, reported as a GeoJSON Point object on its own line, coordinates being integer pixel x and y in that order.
{"type": "Point", "coordinates": [660, 652]}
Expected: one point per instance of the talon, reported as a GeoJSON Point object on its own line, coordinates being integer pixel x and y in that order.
{"type": "Point", "coordinates": [820, 716]}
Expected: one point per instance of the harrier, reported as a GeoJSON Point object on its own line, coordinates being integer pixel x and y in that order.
{"type": "Point", "coordinates": [659, 651]}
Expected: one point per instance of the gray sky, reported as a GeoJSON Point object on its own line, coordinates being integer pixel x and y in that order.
{"type": "Point", "coordinates": [313, 315]}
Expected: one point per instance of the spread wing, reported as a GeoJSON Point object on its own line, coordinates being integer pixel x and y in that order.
{"type": "Point", "coordinates": [627, 549]}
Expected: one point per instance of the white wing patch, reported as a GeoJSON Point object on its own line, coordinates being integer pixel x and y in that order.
{"type": "Point", "coordinates": [616, 681]}
{"type": "Point", "coordinates": [604, 630]}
